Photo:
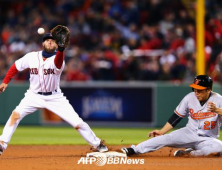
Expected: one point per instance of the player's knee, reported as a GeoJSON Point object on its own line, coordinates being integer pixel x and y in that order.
{"type": "Point", "coordinates": [77, 127]}
{"type": "Point", "coordinates": [80, 125]}
{"type": "Point", "coordinates": [14, 117]}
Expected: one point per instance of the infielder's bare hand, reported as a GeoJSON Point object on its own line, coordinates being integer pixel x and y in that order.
{"type": "Point", "coordinates": [3, 86]}
{"type": "Point", "coordinates": [211, 107]}
{"type": "Point", "coordinates": [154, 133]}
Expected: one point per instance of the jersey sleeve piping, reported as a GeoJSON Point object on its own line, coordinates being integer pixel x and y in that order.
{"type": "Point", "coordinates": [178, 114]}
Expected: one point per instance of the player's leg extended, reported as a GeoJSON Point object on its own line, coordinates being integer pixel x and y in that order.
{"type": "Point", "coordinates": [63, 108]}
{"type": "Point", "coordinates": [28, 105]}
{"type": "Point", "coordinates": [9, 128]}
{"type": "Point", "coordinates": [177, 138]}
{"type": "Point", "coordinates": [210, 146]}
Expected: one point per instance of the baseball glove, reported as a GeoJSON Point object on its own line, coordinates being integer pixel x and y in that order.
{"type": "Point", "coordinates": [61, 35]}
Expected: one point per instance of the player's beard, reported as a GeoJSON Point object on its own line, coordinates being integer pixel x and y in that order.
{"type": "Point", "coordinates": [49, 50]}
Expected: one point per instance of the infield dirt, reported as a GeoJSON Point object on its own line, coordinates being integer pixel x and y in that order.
{"type": "Point", "coordinates": [65, 157]}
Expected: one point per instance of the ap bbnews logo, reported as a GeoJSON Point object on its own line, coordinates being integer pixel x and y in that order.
{"type": "Point", "coordinates": [102, 159]}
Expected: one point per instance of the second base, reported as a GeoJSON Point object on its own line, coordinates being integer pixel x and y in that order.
{"type": "Point", "coordinates": [108, 154]}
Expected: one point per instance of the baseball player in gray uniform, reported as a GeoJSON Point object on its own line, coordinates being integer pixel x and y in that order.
{"type": "Point", "coordinates": [199, 138]}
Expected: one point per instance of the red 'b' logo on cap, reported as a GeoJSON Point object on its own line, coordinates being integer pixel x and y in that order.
{"type": "Point", "coordinates": [196, 81]}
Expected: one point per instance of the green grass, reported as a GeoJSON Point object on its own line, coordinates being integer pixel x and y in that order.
{"type": "Point", "coordinates": [39, 135]}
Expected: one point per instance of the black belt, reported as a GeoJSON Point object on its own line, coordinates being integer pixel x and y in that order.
{"type": "Point", "coordinates": [45, 93]}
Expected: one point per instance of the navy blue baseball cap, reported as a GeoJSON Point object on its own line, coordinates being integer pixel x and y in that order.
{"type": "Point", "coordinates": [47, 36]}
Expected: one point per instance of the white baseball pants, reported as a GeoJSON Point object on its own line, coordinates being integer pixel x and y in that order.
{"type": "Point", "coordinates": [56, 103]}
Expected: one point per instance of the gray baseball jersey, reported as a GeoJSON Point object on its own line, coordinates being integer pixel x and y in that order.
{"type": "Point", "coordinates": [203, 122]}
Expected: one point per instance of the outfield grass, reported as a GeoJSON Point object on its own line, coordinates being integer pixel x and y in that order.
{"type": "Point", "coordinates": [29, 135]}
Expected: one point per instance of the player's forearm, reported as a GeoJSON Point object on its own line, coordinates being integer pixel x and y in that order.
{"type": "Point", "coordinates": [59, 57]}
{"type": "Point", "coordinates": [10, 74]}
{"type": "Point", "coordinates": [167, 127]}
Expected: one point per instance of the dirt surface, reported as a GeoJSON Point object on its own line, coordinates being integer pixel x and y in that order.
{"type": "Point", "coordinates": [60, 157]}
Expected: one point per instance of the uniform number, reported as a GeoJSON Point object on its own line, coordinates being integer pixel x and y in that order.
{"type": "Point", "coordinates": [209, 125]}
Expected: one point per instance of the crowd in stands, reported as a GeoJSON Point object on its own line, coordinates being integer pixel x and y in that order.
{"type": "Point", "coordinates": [115, 40]}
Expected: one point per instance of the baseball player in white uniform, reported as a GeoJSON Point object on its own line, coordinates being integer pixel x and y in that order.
{"type": "Point", "coordinates": [44, 92]}
{"type": "Point", "coordinates": [199, 138]}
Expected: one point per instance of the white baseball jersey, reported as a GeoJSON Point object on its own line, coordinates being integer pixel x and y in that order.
{"type": "Point", "coordinates": [202, 121]}
{"type": "Point", "coordinates": [44, 76]}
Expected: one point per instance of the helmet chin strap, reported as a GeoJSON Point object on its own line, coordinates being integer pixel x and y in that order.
{"type": "Point", "coordinates": [47, 55]}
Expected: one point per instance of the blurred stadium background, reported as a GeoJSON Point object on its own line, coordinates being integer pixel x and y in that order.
{"type": "Point", "coordinates": [128, 64]}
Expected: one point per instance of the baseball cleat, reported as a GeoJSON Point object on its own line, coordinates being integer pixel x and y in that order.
{"type": "Point", "coordinates": [1, 149]}
{"type": "Point", "coordinates": [102, 147]}
{"type": "Point", "coordinates": [181, 153]}
{"type": "Point", "coordinates": [128, 151]}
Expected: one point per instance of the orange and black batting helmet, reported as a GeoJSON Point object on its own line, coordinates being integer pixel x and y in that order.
{"type": "Point", "coordinates": [202, 82]}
